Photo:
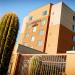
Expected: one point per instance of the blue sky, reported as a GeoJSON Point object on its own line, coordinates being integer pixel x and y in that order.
{"type": "Point", "coordinates": [23, 7]}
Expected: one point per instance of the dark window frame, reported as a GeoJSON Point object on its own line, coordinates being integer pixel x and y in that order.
{"type": "Point", "coordinates": [73, 18]}
{"type": "Point", "coordinates": [73, 27]}
{"type": "Point", "coordinates": [73, 38]}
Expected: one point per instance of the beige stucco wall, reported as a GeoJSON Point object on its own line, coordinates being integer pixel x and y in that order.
{"type": "Point", "coordinates": [60, 15]}
{"type": "Point", "coordinates": [53, 32]}
{"type": "Point", "coordinates": [70, 63]}
{"type": "Point", "coordinates": [52, 40]}
{"type": "Point", "coordinates": [67, 17]}
{"type": "Point", "coordinates": [38, 13]}
{"type": "Point", "coordinates": [56, 14]}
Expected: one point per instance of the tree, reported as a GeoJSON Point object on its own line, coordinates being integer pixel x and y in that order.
{"type": "Point", "coordinates": [9, 26]}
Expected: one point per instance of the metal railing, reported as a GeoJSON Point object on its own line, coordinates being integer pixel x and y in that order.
{"type": "Point", "coordinates": [51, 64]}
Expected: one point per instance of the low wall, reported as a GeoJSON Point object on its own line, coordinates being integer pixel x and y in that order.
{"type": "Point", "coordinates": [70, 66]}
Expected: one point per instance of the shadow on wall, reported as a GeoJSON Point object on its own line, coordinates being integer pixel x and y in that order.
{"type": "Point", "coordinates": [26, 50]}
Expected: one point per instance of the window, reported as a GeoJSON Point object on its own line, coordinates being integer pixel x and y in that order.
{"type": "Point", "coordinates": [30, 18]}
{"type": "Point", "coordinates": [73, 18]}
{"type": "Point", "coordinates": [25, 44]}
{"type": "Point", "coordinates": [73, 38]}
{"type": "Point", "coordinates": [43, 22]}
{"type": "Point", "coordinates": [73, 48]}
{"type": "Point", "coordinates": [27, 35]}
{"type": "Point", "coordinates": [41, 32]}
{"type": "Point", "coordinates": [33, 38]}
{"type": "Point", "coordinates": [34, 29]}
{"type": "Point", "coordinates": [45, 12]}
{"type": "Point", "coordinates": [73, 27]}
{"type": "Point", "coordinates": [40, 43]}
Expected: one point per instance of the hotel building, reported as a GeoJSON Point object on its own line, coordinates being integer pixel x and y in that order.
{"type": "Point", "coordinates": [49, 29]}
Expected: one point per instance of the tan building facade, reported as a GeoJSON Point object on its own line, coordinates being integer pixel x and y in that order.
{"type": "Point", "coordinates": [49, 29]}
{"type": "Point", "coordinates": [35, 34]}
{"type": "Point", "coordinates": [61, 29]}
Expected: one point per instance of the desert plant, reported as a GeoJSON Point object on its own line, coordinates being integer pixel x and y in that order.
{"type": "Point", "coordinates": [34, 66]}
{"type": "Point", "coordinates": [9, 26]}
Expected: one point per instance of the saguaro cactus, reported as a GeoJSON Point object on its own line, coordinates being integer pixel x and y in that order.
{"type": "Point", "coordinates": [34, 66]}
{"type": "Point", "coordinates": [9, 26]}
